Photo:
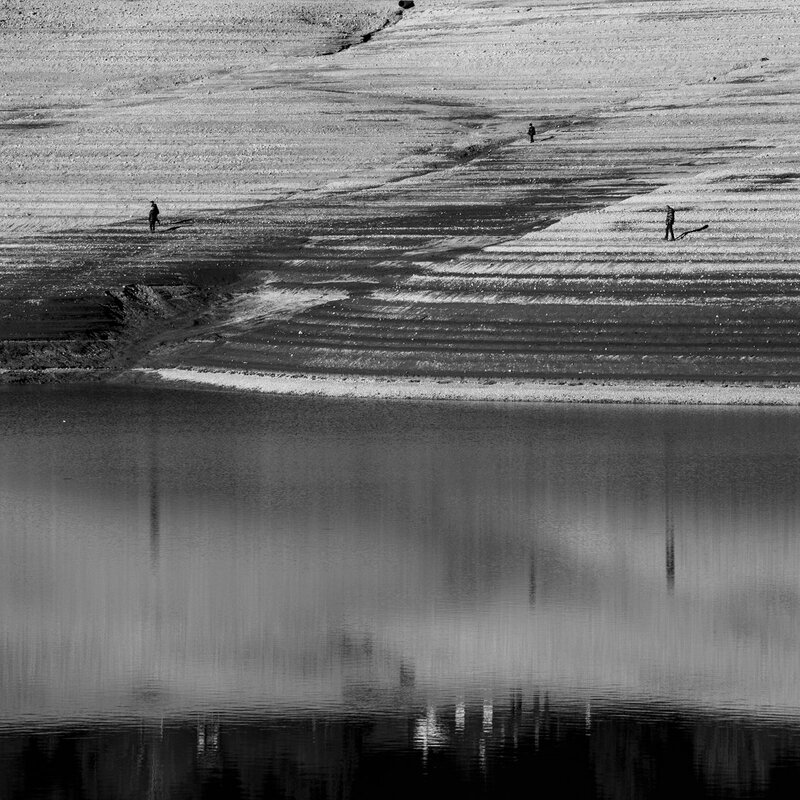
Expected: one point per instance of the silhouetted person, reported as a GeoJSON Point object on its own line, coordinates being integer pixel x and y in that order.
{"type": "Point", "coordinates": [152, 217]}
{"type": "Point", "coordinates": [531, 131]}
{"type": "Point", "coordinates": [669, 233]}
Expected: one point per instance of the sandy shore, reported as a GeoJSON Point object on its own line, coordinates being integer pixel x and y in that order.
{"type": "Point", "coordinates": [379, 210]}
{"type": "Point", "coordinates": [461, 389]}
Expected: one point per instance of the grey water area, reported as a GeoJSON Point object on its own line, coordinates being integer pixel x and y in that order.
{"type": "Point", "coordinates": [218, 595]}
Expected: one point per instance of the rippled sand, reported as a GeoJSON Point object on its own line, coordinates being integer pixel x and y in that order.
{"type": "Point", "coordinates": [379, 211]}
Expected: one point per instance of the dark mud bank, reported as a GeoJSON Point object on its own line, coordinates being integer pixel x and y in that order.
{"type": "Point", "coordinates": [61, 339]}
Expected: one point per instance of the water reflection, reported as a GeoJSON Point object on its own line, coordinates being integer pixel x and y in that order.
{"type": "Point", "coordinates": [669, 524]}
{"type": "Point", "coordinates": [619, 755]}
{"type": "Point", "coordinates": [462, 587]}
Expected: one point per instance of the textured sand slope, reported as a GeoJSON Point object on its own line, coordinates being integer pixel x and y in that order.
{"type": "Point", "coordinates": [598, 294]}
{"type": "Point", "coordinates": [107, 104]}
{"type": "Point", "coordinates": [405, 219]}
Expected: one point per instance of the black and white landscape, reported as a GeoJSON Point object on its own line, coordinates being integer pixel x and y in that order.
{"type": "Point", "coordinates": [405, 456]}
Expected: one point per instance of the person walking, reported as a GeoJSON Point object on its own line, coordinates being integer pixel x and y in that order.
{"type": "Point", "coordinates": [152, 217]}
{"type": "Point", "coordinates": [669, 233]}
{"type": "Point", "coordinates": [531, 132]}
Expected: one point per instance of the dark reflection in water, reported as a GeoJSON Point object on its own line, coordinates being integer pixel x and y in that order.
{"type": "Point", "coordinates": [431, 755]}
{"type": "Point", "coordinates": [214, 595]}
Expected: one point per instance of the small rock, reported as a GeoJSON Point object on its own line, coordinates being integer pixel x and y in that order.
{"type": "Point", "coordinates": [406, 4]}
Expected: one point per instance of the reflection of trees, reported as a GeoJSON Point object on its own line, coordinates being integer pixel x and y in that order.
{"type": "Point", "coordinates": [526, 741]}
{"type": "Point", "coordinates": [733, 758]}
{"type": "Point", "coordinates": [666, 759]}
{"type": "Point", "coordinates": [155, 500]}
{"type": "Point", "coordinates": [669, 523]}
{"type": "Point", "coordinates": [634, 761]}
{"type": "Point", "coordinates": [129, 765]}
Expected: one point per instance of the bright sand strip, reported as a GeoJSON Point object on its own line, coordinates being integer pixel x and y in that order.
{"type": "Point", "coordinates": [380, 388]}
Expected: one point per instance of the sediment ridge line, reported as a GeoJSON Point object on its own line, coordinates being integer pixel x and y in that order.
{"type": "Point", "coordinates": [477, 390]}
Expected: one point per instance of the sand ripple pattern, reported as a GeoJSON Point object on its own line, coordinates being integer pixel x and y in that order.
{"type": "Point", "coordinates": [379, 211]}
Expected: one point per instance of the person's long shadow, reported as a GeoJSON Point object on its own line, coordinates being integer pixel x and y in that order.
{"type": "Point", "coordinates": [179, 224]}
{"type": "Point", "coordinates": [694, 230]}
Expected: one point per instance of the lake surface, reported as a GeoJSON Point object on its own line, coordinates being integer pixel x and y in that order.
{"type": "Point", "coordinates": [214, 595]}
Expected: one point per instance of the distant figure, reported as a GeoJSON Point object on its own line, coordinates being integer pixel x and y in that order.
{"type": "Point", "coordinates": [669, 233]}
{"type": "Point", "coordinates": [531, 131]}
{"type": "Point", "coordinates": [152, 217]}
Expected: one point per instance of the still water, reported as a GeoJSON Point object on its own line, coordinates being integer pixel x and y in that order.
{"type": "Point", "coordinates": [212, 595]}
